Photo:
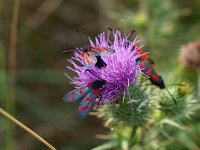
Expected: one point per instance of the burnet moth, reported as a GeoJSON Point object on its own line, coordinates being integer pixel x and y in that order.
{"type": "Point", "coordinates": [148, 70]}
{"type": "Point", "coordinates": [157, 80]}
{"type": "Point", "coordinates": [92, 55]}
{"type": "Point", "coordinates": [88, 94]}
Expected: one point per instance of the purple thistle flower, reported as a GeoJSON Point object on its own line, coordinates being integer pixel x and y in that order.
{"type": "Point", "coordinates": [121, 70]}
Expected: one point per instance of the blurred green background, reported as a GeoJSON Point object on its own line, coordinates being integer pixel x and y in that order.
{"type": "Point", "coordinates": [45, 28]}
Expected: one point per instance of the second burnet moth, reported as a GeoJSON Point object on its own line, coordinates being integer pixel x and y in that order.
{"type": "Point", "coordinates": [88, 94]}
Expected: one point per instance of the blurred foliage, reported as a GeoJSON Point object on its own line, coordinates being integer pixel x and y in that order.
{"type": "Point", "coordinates": [151, 120]}
{"type": "Point", "coordinates": [47, 27]}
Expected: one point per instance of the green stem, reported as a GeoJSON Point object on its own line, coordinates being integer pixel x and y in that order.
{"type": "Point", "coordinates": [132, 139]}
{"type": "Point", "coordinates": [3, 74]}
{"type": "Point", "coordinates": [3, 78]}
{"type": "Point", "coordinates": [12, 74]}
{"type": "Point", "coordinates": [198, 92]}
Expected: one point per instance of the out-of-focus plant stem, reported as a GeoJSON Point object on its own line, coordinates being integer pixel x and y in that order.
{"type": "Point", "coordinates": [12, 74]}
{"type": "Point", "coordinates": [198, 86]}
{"type": "Point", "coordinates": [3, 77]}
{"type": "Point", "coordinates": [132, 137]}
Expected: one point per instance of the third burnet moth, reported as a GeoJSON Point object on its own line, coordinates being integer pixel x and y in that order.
{"type": "Point", "coordinates": [148, 70]}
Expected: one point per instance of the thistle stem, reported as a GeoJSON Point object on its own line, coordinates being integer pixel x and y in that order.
{"type": "Point", "coordinates": [17, 122]}
{"type": "Point", "coordinates": [132, 137]}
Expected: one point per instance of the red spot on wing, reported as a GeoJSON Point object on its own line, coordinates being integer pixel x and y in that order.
{"type": "Point", "coordinates": [87, 107]}
{"type": "Point", "coordinates": [81, 108]}
{"type": "Point", "coordinates": [145, 57]}
{"type": "Point", "coordinates": [97, 91]}
{"type": "Point", "coordinates": [85, 54]}
{"type": "Point", "coordinates": [92, 99]}
{"type": "Point", "coordinates": [100, 50]}
{"type": "Point", "coordinates": [93, 48]}
{"type": "Point", "coordinates": [89, 84]}
{"type": "Point", "coordinates": [72, 96]}
{"type": "Point", "coordinates": [141, 52]}
{"type": "Point", "coordinates": [84, 107]}
{"type": "Point", "coordinates": [142, 65]}
{"type": "Point", "coordinates": [87, 99]}
{"type": "Point", "coordinates": [87, 57]}
{"type": "Point", "coordinates": [156, 78]}
{"type": "Point", "coordinates": [149, 72]}
{"type": "Point", "coordinates": [81, 90]}
{"type": "Point", "coordinates": [106, 51]}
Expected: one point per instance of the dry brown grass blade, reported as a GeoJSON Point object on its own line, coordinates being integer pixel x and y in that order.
{"type": "Point", "coordinates": [17, 122]}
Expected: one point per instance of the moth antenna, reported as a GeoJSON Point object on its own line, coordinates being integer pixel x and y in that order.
{"type": "Point", "coordinates": [100, 78]}
{"type": "Point", "coordinates": [66, 51]}
{"type": "Point", "coordinates": [109, 28]}
{"type": "Point", "coordinates": [172, 97]}
{"type": "Point", "coordinates": [133, 31]}
{"type": "Point", "coordinates": [80, 36]}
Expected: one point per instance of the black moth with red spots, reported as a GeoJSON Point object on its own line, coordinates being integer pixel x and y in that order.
{"type": "Point", "coordinates": [87, 94]}
{"type": "Point", "coordinates": [149, 71]}
{"type": "Point", "coordinates": [92, 56]}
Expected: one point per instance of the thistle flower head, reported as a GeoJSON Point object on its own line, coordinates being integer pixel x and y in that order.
{"type": "Point", "coordinates": [121, 70]}
{"type": "Point", "coordinates": [134, 113]}
{"type": "Point", "coordinates": [190, 55]}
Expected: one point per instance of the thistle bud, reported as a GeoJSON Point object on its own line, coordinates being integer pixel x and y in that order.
{"type": "Point", "coordinates": [190, 55]}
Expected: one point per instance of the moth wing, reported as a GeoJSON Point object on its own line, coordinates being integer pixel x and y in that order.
{"type": "Point", "coordinates": [149, 71]}
{"type": "Point", "coordinates": [86, 104]}
{"type": "Point", "coordinates": [105, 51]}
{"type": "Point", "coordinates": [76, 94]}
{"type": "Point", "coordinates": [147, 68]}
{"type": "Point", "coordinates": [89, 59]}
{"type": "Point", "coordinates": [144, 56]}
